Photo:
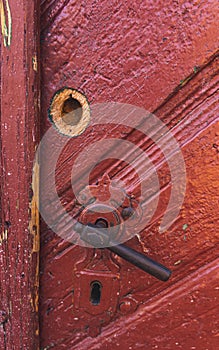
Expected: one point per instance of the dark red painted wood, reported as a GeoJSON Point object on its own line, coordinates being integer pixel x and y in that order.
{"type": "Point", "coordinates": [157, 56]}
{"type": "Point", "coordinates": [182, 317]}
{"type": "Point", "coordinates": [19, 134]}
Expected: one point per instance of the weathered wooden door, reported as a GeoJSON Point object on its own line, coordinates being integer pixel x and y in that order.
{"type": "Point", "coordinates": [161, 57]}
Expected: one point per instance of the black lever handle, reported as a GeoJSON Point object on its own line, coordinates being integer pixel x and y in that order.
{"type": "Point", "coordinates": [142, 261]}
{"type": "Point", "coordinates": [93, 234]}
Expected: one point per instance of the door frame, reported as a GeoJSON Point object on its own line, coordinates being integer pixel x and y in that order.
{"type": "Point", "coordinates": [19, 130]}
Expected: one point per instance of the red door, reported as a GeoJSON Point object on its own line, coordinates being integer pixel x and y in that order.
{"type": "Point", "coordinates": [105, 65]}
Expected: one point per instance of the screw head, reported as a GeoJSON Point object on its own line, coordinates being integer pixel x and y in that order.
{"type": "Point", "coordinates": [127, 305]}
{"type": "Point", "coordinates": [127, 212]}
{"type": "Point", "coordinates": [124, 307]}
{"type": "Point", "coordinates": [78, 227]}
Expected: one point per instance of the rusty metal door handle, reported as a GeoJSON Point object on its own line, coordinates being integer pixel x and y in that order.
{"type": "Point", "coordinates": [95, 234]}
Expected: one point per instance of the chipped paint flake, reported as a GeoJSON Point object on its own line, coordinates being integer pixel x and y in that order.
{"type": "Point", "coordinates": [6, 22]}
{"type": "Point", "coordinates": [3, 236]}
{"type": "Point", "coordinates": [34, 205]}
{"type": "Point", "coordinates": [34, 229]}
{"type": "Point", "coordinates": [177, 262]}
{"type": "Point", "coordinates": [34, 62]}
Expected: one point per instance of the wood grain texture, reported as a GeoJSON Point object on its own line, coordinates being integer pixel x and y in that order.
{"type": "Point", "coordinates": [19, 134]}
{"type": "Point", "coordinates": [182, 317]}
{"type": "Point", "coordinates": [160, 58]}
{"type": "Point", "coordinates": [126, 51]}
{"type": "Point", "coordinates": [185, 247]}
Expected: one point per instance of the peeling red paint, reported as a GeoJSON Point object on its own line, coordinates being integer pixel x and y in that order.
{"type": "Point", "coordinates": [19, 134]}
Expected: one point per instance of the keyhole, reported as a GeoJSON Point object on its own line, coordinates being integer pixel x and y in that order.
{"type": "Point", "coordinates": [95, 293]}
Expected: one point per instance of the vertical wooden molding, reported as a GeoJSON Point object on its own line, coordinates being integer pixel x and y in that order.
{"type": "Point", "coordinates": [6, 23]}
{"type": "Point", "coordinates": [19, 136]}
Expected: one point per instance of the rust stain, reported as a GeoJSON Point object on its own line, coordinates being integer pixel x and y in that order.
{"type": "Point", "coordinates": [6, 22]}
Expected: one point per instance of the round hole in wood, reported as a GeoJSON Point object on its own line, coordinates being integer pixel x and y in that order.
{"type": "Point", "coordinates": [69, 111]}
